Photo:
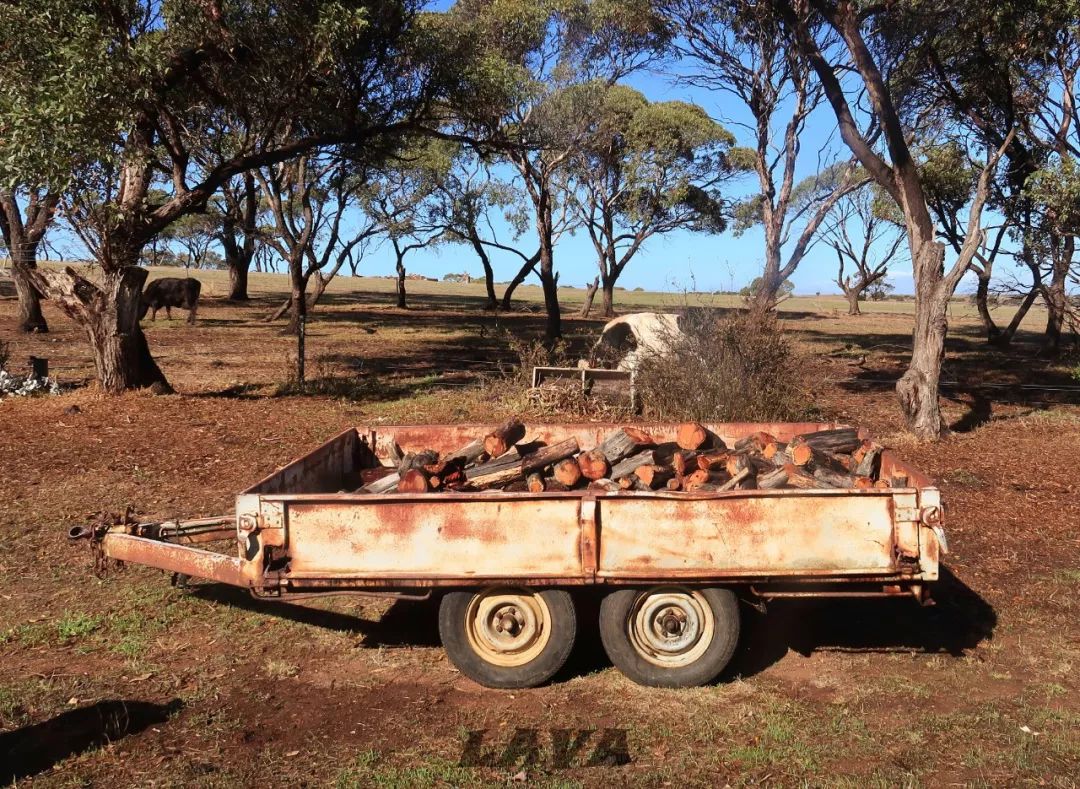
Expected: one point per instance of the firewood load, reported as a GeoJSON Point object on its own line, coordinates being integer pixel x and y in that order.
{"type": "Point", "coordinates": [629, 459]}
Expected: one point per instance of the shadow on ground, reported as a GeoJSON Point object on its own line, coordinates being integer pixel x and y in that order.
{"type": "Point", "coordinates": [38, 747]}
{"type": "Point", "coordinates": [959, 620]}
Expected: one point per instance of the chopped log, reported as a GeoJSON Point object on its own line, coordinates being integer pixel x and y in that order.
{"type": "Point", "coordinates": [369, 475]}
{"type": "Point", "coordinates": [711, 461]}
{"type": "Point", "coordinates": [691, 435]}
{"type": "Point", "coordinates": [630, 464]}
{"type": "Point", "coordinates": [842, 440]}
{"type": "Point", "coordinates": [869, 464]}
{"type": "Point", "coordinates": [624, 442]}
{"type": "Point", "coordinates": [535, 483]}
{"type": "Point", "coordinates": [654, 476]}
{"type": "Point", "coordinates": [800, 453]}
{"type": "Point", "coordinates": [593, 464]}
{"type": "Point", "coordinates": [567, 472]}
{"type": "Point", "coordinates": [735, 480]}
{"type": "Point", "coordinates": [554, 485]}
{"type": "Point", "coordinates": [675, 483]}
{"type": "Point", "coordinates": [684, 461]}
{"type": "Point", "coordinates": [665, 452]}
{"type": "Point", "coordinates": [550, 455]}
{"type": "Point", "coordinates": [414, 481]}
{"type": "Point", "coordinates": [753, 461]}
{"type": "Point", "coordinates": [385, 484]}
{"type": "Point", "coordinates": [772, 480]}
{"type": "Point", "coordinates": [428, 457]}
{"type": "Point", "coordinates": [862, 449]}
{"type": "Point", "coordinates": [394, 454]}
{"type": "Point", "coordinates": [472, 452]}
{"type": "Point", "coordinates": [495, 472]}
{"type": "Point", "coordinates": [604, 484]}
{"type": "Point", "coordinates": [799, 478]}
{"type": "Point", "coordinates": [882, 484]}
{"type": "Point", "coordinates": [765, 443]}
{"type": "Point", "coordinates": [844, 462]}
{"type": "Point", "coordinates": [696, 477]}
{"type": "Point", "coordinates": [631, 482]}
{"type": "Point", "coordinates": [499, 440]}
{"type": "Point", "coordinates": [863, 483]}
{"type": "Point", "coordinates": [834, 479]}
{"type": "Point", "coordinates": [704, 480]}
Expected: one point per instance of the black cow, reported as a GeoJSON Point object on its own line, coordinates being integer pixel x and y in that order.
{"type": "Point", "coordinates": [169, 292]}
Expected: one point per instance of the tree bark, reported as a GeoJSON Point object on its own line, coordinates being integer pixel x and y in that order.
{"type": "Point", "coordinates": [489, 273]}
{"type": "Point", "coordinates": [110, 315]}
{"type": "Point", "coordinates": [31, 320]}
{"type": "Point", "coordinates": [590, 295]}
{"type": "Point", "coordinates": [1056, 297]}
{"type": "Point", "coordinates": [238, 278]}
{"type": "Point", "coordinates": [401, 295]}
{"type": "Point", "coordinates": [853, 295]}
{"type": "Point", "coordinates": [918, 387]}
{"type": "Point", "coordinates": [608, 299]}
{"type": "Point", "coordinates": [526, 267]}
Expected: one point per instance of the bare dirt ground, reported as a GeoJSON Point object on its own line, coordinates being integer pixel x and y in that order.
{"type": "Point", "coordinates": [128, 681]}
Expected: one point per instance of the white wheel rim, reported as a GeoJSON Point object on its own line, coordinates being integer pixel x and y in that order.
{"type": "Point", "coordinates": [508, 627]}
{"type": "Point", "coordinates": [671, 626]}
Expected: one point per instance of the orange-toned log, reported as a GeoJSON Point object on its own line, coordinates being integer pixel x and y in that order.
{"type": "Point", "coordinates": [593, 464]}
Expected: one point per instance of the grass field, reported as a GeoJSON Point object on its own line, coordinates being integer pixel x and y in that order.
{"type": "Point", "coordinates": [128, 681]}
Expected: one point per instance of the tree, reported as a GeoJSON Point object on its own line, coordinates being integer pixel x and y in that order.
{"type": "Point", "coordinates": [238, 214]}
{"type": "Point", "coordinates": [308, 200]}
{"type": "Point", "coordinates": [898, 175]}
{"type": "Point", "coordinates": [115, 89]}
{"type": "Point", "coordinates": [194, 233]}
{"type": "Point", "coordinates": [863, 232]}
{"type": "Point", "coordinates": [22, 233]}
{"type": "Point", "coordinates": [739, 49]}
{"type": "Point", "coordinates": [534, 70]}
{"type": "Point", "coordinates": [751, 291]}
{"type": "Point", "coordinates": [644, 170]}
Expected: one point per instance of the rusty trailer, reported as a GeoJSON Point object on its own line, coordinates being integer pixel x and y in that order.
{"type": "Point", "coordinates": [671, 566]}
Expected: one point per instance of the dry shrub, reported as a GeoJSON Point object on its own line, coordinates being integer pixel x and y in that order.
{"type": "Point", "coordinates": [736, 369]}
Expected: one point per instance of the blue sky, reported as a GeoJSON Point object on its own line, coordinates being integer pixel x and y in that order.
{"type": "Point", "coordinates": [681, 261]}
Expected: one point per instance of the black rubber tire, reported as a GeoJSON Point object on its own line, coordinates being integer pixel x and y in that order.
{"type": "Point", "coordinates": [615, 613]}
{"type": "Point", "coordinates": [452, 613]}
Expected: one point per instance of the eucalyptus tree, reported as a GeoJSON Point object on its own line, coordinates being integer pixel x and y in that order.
{"type": "Point", "coordinates": [850, 51]}
{"type": "Point", "coordinates": [865, 236]}
{"type": "Point", "coordinates": [25, 216]}
{"type": "Point", "coordinates": [101, 100]}
{"type": "Point", "coordinates": [645, 169]}
{"type": "Point", "coordinates": [739, 50]}
{"type": "Point", "coordinates": [535, 70]}
{"type": "Point", "coordinates": [238, 213]}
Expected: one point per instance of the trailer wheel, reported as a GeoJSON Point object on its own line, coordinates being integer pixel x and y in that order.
{"type": "Point", "coordinates": [670, 636]}
{"type": "Point", "coordinates": [506, 637]}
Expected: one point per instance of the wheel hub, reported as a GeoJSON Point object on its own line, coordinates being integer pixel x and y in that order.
{"type": "Point", "coordinates": [506, 627]}
{"type": "Point", "coordinates": [671, 627]}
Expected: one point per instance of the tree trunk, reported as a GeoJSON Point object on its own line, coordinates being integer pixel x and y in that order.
{"type": "Point", "coordinates": [590, 294]}
{"type": "Point", "coordinates": [30, 318]}
{"type": "Point", "coordinates": [918, 387]}
{"type": "Point", "coordinates": [110, 315]}
{"type": "Point", "coordinates": [238, 277]}
{"type": "Point", "coordinates": [523, 272]}
{"type": "Point", "coordinates": [549, 280]}
{"type": "Point", "coordinates": [1056, 297]}
{"type": "Point", "coordinates": [982, 303]}
{"type": "Point", "coordinates": [853, 295]}
{"type": "Point", "coordinates": [609, 297]}
{"type": "Point", "coordinates": [401, 300]}
{"type": "Point", "coordinates": [489, 274]}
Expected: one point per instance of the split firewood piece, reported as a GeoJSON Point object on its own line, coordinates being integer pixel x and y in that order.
{"type": "Point", "coordinates": [675, 483]}
{"type": "Point", "coordinates": [550, 455]}
{"type": "Point", "coordinates": [863, 483]}
{"type": "Point", "coordinates": [798, 477]}
{"type": "Point", "coordinates": [755, 462]}
{"type": "Point", "coordinates": [473, 452]}
{"type": "Point", "coordinates": [841, 440]}
{"type": "Point", "coordinates": [712, 461]}
{"type": "Point", "coordinates": [453, 479]}
{"type": "Point", "coordinates": [428, 457]}
{"type": "Point", "coordinates": [394, 454]}
{"type": "Point", "coordinates": [554, 485]}
{"type": "Point", "coordinates": [834, 479]}
{"type": "Point", "coordinates": [624, 442]}
{"type": "Point", "coordinates": [499, 440]}
{"type": "Point", "coordinates": [631, 482]}
{"type": "Point", "coordinates": [414, 481]}
{"type": "Point", "coordinates": [604, 484]}
{"type": "Point", "coordinates": [691, 435]}
{"type": "Point", "coordinates": [567, 472]}
{"type": "Point", "coordinates": [593, 464]}
{"type": "Point", "coordinates": [772, 480]}
{"type": "Point", "coordinates": [684, 462]}
{"type": "Point", "coordinates": [800, 453]}
{"type": "Point", "coordinates": [665, 452]}
{"type": "Point", "coordinates": [654, 476]}
{"type": "Point", "coordinates": [703, 480]}
{"type": "Point", "coordinates": [630, 464]}
{"type": "Point", "coordinates": [882, 484]}
{"type": "Point", "coordinates": [869, 463]}
{"type": "Point", "coordinates": [735, 480]}
{"type": "Point", "coordinates": [535, 483]}
{"type": "Point", "coordinates": [495, 472]}
{"type": "Point", "coordinates": [385, 484]}
{"type": "Point", "coordinates": [764, 443]}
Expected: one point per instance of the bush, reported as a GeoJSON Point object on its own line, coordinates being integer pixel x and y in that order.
{"type": "Point", "coordinates": [739, 369]}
